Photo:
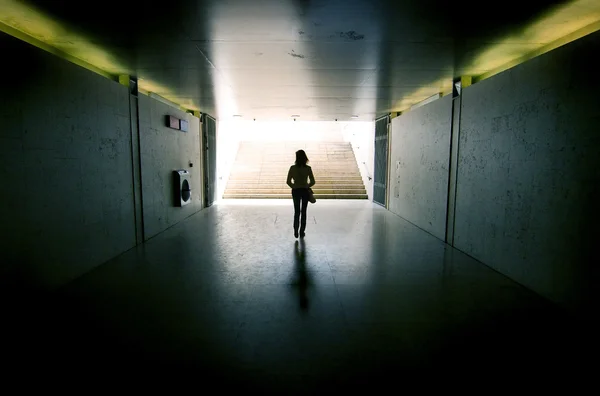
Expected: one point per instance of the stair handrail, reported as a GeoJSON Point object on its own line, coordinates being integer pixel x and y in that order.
{"type": "Point", "coordinates": [367, 169]}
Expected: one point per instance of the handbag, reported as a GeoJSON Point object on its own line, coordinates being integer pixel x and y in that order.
{"type": "Point", "coordinates": [311, 196]}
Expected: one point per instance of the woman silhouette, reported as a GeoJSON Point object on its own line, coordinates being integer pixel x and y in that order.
{"type": "Point", "coordinates": [303, 178]}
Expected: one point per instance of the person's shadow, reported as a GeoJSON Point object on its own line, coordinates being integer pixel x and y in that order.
{"type": "Point", "coordinates": [302, 279]}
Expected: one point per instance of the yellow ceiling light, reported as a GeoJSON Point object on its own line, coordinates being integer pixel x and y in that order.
{"type": "Point", "coordinates": [31, 25]}
{"type": "Point", "coordinates": [442, 86]}
{"type": "Point", "coordinates": [147, 87]}
{"type": "Point", "coordinates": [557, 27]}
{"type": "Point", "coordinates": [26, 22]}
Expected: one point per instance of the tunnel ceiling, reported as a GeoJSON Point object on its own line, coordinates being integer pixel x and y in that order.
{"type": "Point", "coordinates": [319, 59]}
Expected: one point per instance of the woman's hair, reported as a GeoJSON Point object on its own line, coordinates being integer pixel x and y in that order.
{"type": "Point", "coordinates": [301, 158]}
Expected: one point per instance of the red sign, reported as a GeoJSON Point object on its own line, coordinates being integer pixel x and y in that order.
{"type": "Point", "coordinates": [173, 122]}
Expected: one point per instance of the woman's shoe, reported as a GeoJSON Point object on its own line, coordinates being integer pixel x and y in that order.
{"type": "Point", "coordinates": [296, 234]}
{"type": "Point", "coordinates": [302, 235]}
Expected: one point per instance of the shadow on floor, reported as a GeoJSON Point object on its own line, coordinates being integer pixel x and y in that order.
{"type": "Point", "coordinates": [65, 335]}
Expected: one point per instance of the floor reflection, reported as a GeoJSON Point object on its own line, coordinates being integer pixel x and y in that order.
{"type": "Point", "coordinates": [367, 296]}
{"type": "Point", "coordinates": [301, 278]}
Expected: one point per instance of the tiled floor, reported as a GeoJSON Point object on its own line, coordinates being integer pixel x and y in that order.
{"type": "Point", "coordinates": [366, 300]}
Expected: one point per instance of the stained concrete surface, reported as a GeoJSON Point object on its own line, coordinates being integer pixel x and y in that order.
{"type": "Point", "coordinates": [164, 150]}
{"type": "Point", "coordinates": [419, 158]}
{"type": "Point", "coordinates": [527, 182]}
{"type": "Point", "coordinates": [229, 299]}
{"type": "Point", "coordinates": [65, 166]}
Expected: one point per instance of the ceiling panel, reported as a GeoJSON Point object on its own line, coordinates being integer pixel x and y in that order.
{"type": "Point", "coordinates": [291, 54]}
{"type": "Point", "coordinates": [267, 79]}
{"type": "Point", "coordinates": [306, 91]}
{"type": "Point", "coordinates": [329, 58]}
{"type": "Point", "coordinates": [417, 55]}
{"type": "Point", "coordinates": [174, 54]}
{"type": "Point", "coordinates": [235, 20]}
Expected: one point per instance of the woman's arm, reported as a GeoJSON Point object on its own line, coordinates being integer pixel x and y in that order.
{"type": "Point", "coordinates": [311, 178]}
{"type": "Point", "coordinates": [289, 178]}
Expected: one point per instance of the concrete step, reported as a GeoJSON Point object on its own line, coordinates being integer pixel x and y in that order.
{"type": "Point", "coordinates": [283, 177]}
{"type": "Point", "coordinates": [284, 171]}
{"type": "Point", "coordinates": [286, 156]}
{"type": "Point", "coordinates": [266, 159]}
{"type": "Point", "coordinates": [242, 162]}
{"type": "Point", "coordinates": [324, 176]}
{"type": "Point", "coordinates": [281, 169]}
{"type": "Point", "coordinates": [278, 180]}
{"type": "Point", "coordinates": [286, 166]}
{"type": "Point", "coordinates": [320, 182]}
{"type": "Point", "coordinates": [236, 185]}
{"type": "Point", "coordinates": [315, 157]}
{"type": "Point", "coordinates": [288, 191]}
{"type": "Point", "coordinates": [293, 143]}
{"type": "Point", "coordinates": [288, 163]}
{"type": "Point", "coordinates": [282, 180]}
{"type": "Point", "coordinates": [283, 151]}
{"type": "Point", "coordinates": [291, 150]}
{"type": "Point", "coordinates": [260, 170]}
{"type": "Point", "coordinates": [288, 196]}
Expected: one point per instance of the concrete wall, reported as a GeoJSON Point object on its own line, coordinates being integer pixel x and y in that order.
{"type": "Point", "coordinates": [164, 150]}
{"type": "Point", "coordinates": [528, 175]}
{"type": "Point", "coordinates": [66, 165]}
{"type": "Point", "coordinates": [420, 154]}
{"type": "Point", "coordinates": [66, 198]}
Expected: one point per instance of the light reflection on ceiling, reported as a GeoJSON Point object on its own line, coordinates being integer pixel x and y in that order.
{"type": "Point", "coordinates": [552, 27]}
{"type": "Point", "coordinates": [50, 35]}
{"type": "Point", "coordinates": [362, 85]}
{"type": "Point", "coordinates": [35, 24]}
{"type": "Point", "coordinates": [571, 21]}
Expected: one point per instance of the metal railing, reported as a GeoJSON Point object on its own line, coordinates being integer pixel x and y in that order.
{"type": "Point", "coordinates": [367, 169]}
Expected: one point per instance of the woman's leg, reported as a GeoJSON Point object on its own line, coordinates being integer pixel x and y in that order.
{"type": "Point", "coordinates": [296, 196]}
{"type": "Point", "coordinates": [304, 205]}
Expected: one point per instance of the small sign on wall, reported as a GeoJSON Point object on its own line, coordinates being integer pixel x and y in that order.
{"type": "Point", "coordinates": [183, 125]}
{"type": "Point", "coordinates": [172, 122]}
{"type": "Point", "coordinates": [176, 123]}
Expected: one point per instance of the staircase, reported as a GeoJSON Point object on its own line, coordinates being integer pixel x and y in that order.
{"type": "Point", "coordinates": [260, 170]}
